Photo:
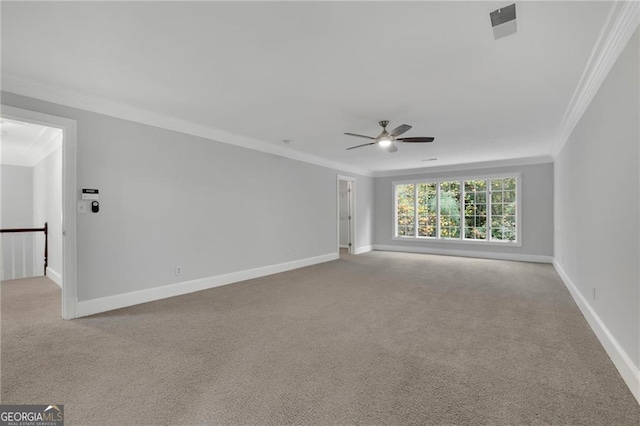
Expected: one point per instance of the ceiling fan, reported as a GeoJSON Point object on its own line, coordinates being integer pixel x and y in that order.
{"type": "Point", "coordinates": [387, 139]}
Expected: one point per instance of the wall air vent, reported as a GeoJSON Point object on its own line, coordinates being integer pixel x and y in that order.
{"type": "Point", "coordinates": [503, 21]}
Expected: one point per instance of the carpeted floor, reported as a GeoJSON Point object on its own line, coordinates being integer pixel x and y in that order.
{"type": "Point", "coordinates": [381, 338]}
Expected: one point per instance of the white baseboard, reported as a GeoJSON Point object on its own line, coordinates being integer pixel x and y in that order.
{"type": "Point", "coordinates": [467, 253]}
{"type": "Point", "coordinates": [627, 369]}
{"type": "Point", "coordinates": [103, 304]}
{"type": "Point", "coordinates": [362, 249]}
{"type": "Point", "coordinates": [344, 246]}
{"type": "Point", "coordinates": [54, 276]}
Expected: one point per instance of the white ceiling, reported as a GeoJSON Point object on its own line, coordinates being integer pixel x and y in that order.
{"type": "Point", "coordinates": [26, 144]}
{"type": "Point", "coordinates": [309, 71]}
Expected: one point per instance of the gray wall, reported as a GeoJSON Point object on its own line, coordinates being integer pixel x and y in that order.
{"type": "Point", "coordinates": [47, 206]}
{"type": "Point", "coordinates": [170, 199]}
{"type": "Point", "coordinates": [597, 197]}
{"type": "Point", "coordinates": [17, 196]}
{"type": "Point", "coordinates": [344, 213]}
{"type": "Point", "coordinates": [16, 199]}
{"type": "Point", "coordinates": [537, 211]}
{"type": "Point", "coordinates": [363, 199]}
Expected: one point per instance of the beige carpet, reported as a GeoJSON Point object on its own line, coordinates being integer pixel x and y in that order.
{"type": "Point", "coordinates": [381, 338]}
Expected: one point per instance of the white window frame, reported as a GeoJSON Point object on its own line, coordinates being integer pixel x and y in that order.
{"type": "Point", "coordinates": [515, 243]}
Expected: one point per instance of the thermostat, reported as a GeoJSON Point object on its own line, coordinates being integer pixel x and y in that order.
{"type": "Point", "coordinates": [90, 194]}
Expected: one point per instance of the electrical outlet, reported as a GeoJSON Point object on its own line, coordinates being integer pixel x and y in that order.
{"type": "Point", "coordinates": [178, 270]}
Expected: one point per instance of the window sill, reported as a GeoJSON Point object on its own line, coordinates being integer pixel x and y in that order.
{"type": "Point", "coordinates": [460, 241]}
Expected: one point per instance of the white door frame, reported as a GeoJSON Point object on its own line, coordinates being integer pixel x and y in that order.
{"type": "Point", "coordinates": [352, 204]}
{"type": "Point", "coordinates": [69, 193]}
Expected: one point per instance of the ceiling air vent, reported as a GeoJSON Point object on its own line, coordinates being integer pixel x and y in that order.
{"type": "Point", "coordinates": [503, 21]}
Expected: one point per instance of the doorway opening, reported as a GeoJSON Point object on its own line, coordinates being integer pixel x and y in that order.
{"type": "Point", "coordinates": [38, 165]}
{"type": "Point", "coordinates": [31, 168]}
{"type": "Point", "coordinates": [346, 214]}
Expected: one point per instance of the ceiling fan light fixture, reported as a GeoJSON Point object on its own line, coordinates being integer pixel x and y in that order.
{"type": "Point", "coordinates": [388, 140]}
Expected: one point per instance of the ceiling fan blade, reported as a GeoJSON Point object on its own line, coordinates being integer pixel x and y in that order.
{"type": "Point", "coordinates": [364, 144]}
{"type": "Point", "coordinates": [417, 139]}
{"type": "Point", "coordinates": [392, 148]}
{"type": "Point", "coordinates": [399, 130]}
{"type": "Point", "coordinates": [359, 136]}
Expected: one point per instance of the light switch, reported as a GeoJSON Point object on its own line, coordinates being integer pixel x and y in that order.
{"type": "Point", "coordinates": [82, 206]}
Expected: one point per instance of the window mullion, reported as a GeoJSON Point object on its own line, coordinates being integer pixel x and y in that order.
{"type": "Point", "coordinates": [438, 236]}
{"type": "Point", "coordinates": [462, 221]}
{"type": "Point", "coordinates": [489, 201]}
{"type": "Point", "coordinates": [416, 220]}
{"type": "Point", "coordinates": [395, 210]}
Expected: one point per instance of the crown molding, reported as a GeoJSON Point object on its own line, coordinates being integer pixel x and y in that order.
{"type": "Point", "coordinates": [467, 166]}
{"type": "Point", "coordinates": [42, 146]}
{"type": "Point", "coordinates": [621, 23]}
{"type": "Point", "coordinates": [44, 92]}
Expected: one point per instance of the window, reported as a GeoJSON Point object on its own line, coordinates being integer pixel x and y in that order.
{"type": "Point", "coordinates": [474, 210]}
{"type": "Point", "coordinates": [427, 210]}
{"type": "Point", "coordinates": [405, 210]}
{"type": "Point", "coordinates": [503, 209]}
{"type": "Point", "coordinates": [449, 210]}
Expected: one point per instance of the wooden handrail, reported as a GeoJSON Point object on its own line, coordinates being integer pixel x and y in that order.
{"type": "Point", "coordinates": [46, 240]}
{"type": "Point", "coordinates": [23, 230]}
